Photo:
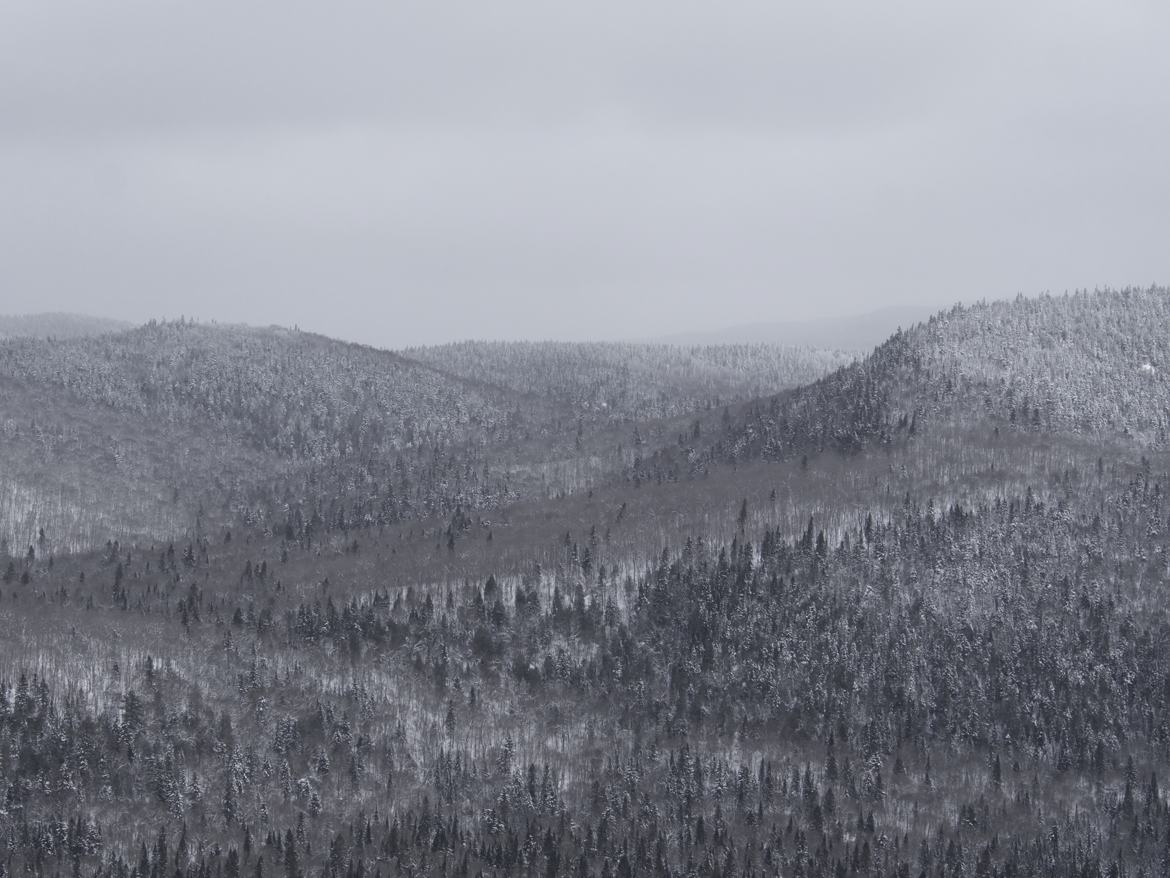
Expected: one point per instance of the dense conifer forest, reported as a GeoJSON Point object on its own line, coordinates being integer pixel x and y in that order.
{"type": "Point", "coordinates": [276, 605]}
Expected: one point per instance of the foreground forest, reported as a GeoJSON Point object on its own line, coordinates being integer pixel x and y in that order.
{"type": "Point", "coordinates": [597, 610]}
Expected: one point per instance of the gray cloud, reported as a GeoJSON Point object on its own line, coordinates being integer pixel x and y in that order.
{"type": "Point", "coordinates": [401, 172]}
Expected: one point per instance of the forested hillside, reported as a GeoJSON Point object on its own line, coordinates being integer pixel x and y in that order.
{"type": "Point", "coordinates": [278, 411]}
{"type": "Point", "coordinates": [296, 394]}
{"type": "Point", "coordinates": [1086, 364]}
{"type": "Point", "coordinates": [956, 690]}
{"type": "Point", "coordinates": [590, 610]}
{"type": "Point", "coordinates": [1095, 363]}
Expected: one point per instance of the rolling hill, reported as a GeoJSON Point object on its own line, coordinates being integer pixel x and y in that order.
{"type": "Point", "coordinates": [255, 417]}
{"type": "Point", "coordinates": [1087, 364]}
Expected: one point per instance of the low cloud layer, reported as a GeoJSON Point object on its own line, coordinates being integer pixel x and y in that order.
{"type": "Point", "coordinates": [407, 172]}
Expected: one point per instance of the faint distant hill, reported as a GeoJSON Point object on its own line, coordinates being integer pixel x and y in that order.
{"type": "Point", "coordinates": [632, 381]}
{"type": "Point", "coordinates": [55, 325]}
{"type": "Point", "coordinates": [858, 332]}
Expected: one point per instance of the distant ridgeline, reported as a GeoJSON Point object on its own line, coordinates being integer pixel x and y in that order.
{"type": "Point", "coordinates": [57, 326]}
{"type": "Point", "coordinates": [624, 381]}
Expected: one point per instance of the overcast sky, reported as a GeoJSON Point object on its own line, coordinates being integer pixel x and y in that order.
{"type": "Point", "coordinates": [400, 172]}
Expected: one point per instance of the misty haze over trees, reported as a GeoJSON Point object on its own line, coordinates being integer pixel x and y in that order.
{"type": "Point", "coordinates": [274, 604]}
